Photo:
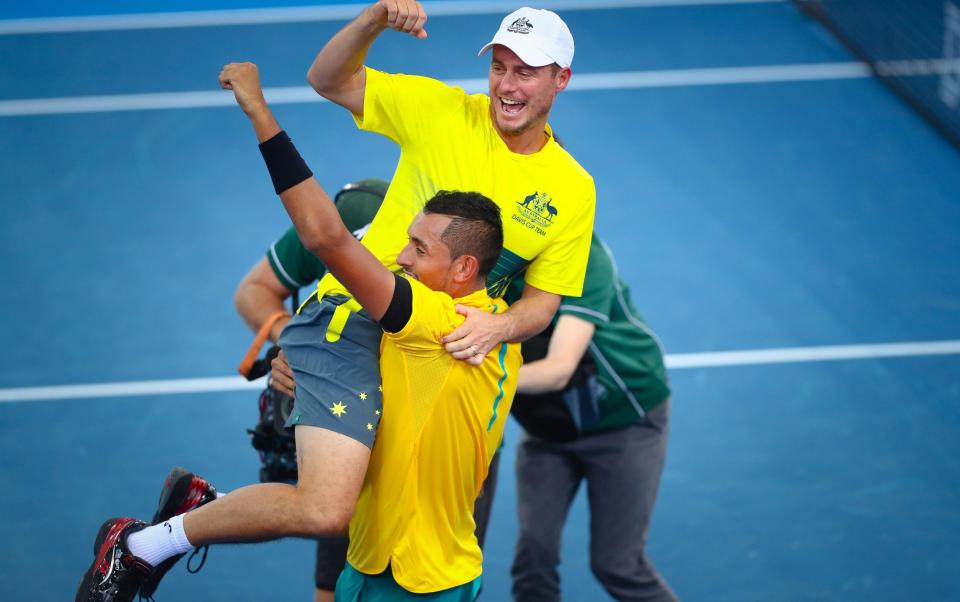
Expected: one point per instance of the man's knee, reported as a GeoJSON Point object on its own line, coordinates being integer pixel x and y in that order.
{"type": "Point", "coordinates": [607, 565]}
{"type": "Point", "coordinates": [331, 471]}
{"type": "Point", "coordinates": [607, 574]}
{"type": "Point", "coordinates": [629, 574]}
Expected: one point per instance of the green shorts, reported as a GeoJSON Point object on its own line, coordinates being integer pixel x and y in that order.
{"type": "Point", "coordinates": [334, 353]}
{"type": "Point", "coordinates": [354, 586]}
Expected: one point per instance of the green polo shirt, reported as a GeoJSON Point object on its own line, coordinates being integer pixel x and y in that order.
{"type": "Point", "coordinates": [624, 352]}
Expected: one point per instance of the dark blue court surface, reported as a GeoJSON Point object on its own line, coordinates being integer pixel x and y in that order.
{"type": "Point", "coordinates": [784, 213]}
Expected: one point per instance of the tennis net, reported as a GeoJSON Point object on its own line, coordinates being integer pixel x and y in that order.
{"type": "Point", "coordinates": [913, 45]}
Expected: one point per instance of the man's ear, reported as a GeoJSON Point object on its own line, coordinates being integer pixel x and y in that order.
{"type": "Point", "coordinates": [563, 79]}
{"type": "Point", "coordinates": [465, 269]}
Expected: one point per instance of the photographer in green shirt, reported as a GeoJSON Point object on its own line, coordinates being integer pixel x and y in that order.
{"type": "Point", "coordinates": [594, 401]}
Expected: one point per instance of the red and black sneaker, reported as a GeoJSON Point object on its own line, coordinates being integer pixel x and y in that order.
{"type": "Point", "coordinates": [115, 575]}
{"type": "Point", "coordinates": [182, 492]}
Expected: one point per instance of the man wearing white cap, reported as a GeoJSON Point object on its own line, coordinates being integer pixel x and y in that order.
{"type": "Point", "coordinates": [499, 145]}
{"type": "Point", "coordinates": [510, 157]}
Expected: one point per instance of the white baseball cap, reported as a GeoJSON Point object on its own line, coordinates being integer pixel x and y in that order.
{"type": "Point", "coordinates": [539, 37]}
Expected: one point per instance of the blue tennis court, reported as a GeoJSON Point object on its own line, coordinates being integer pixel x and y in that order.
{"type": "Point", "coordinates": [787, 225]}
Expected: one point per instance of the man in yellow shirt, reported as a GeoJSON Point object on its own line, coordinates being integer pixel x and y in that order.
{"type": "Point", "coordinates": [414, 529]}
{"type": "Point", "coordinates": [498, 144]}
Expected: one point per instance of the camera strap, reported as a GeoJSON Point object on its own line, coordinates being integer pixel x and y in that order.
{"type": "Point", "coordinates": [248, 360]}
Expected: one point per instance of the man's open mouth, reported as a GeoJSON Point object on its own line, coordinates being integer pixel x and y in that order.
{"type": "Point", "coordinates": [511, 107]}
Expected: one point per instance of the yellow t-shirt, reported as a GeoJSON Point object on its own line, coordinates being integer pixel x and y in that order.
{"type": "Point", "coordinates": [442, 423]}
{"type": "Point", "coordinates": [448, 142]}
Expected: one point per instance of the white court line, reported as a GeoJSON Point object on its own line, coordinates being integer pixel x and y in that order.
{"type": "Point", "coordinates": [580, 82]}
{"type": "Point", "coordinates": [146, 102]}
{"type": "Point", "coordinates": [790, 355]}
{"type": "Point", "coordinates": [675, 361]}
{"type": "Point", "coordinates": [130, 389]}
{"type": "Point", "coordinates": [300, 14]}
{"type": "Point", "coordinates": [717, 76]}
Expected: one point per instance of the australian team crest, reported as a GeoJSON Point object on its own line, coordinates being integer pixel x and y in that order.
{"type": "Point", "coordinates": [521, 25]}
{"type": "Point", "coordinates": [536, 211]}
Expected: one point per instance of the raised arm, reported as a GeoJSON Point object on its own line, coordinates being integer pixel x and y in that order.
{"type": "Point", "coordinates": [337, 73]}
{"type": "Point", "coordinates": [312, 212]}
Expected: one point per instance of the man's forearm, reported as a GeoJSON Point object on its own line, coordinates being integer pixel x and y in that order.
{"type": "Point", "coordinates": [314, 215]}
{"type": "Point", "coordinates": [265, 125]}
{"type": "Point", "coordinates": [312, 212]}
{"type": "Point", "coordinates": [568, 344]}
{"type": "Point", "coordinates": [322, 231]}
{"type": "Point", "coordinates": [310, 209]}
{"type": "Point", "coordinates": [529, 315]}
{"type": "Point", "coordinates": [256, 304]}
{"type": "Point", "coordinates": [261, 295]}
{"type": "Point", "coordinates": [541, 377]}
{"type": "Point", "coordinates": [341, 59]}
{"type": "Point", "coordinates": [337, 73]}
{"type": "Point", "coordinates": [481, 331]}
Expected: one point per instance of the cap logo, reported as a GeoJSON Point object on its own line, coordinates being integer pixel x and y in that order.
{"type": "Point", "coordinates": [521, 25]}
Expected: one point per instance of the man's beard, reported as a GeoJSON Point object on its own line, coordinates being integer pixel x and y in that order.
{"type": "Point", "coordinates": [519, 129]}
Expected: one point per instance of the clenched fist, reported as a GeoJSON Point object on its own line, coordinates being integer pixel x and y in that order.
{"type": "Point", "coordinates": [244, 80]}
{"type": "Point", "coordinates": [406, 16]}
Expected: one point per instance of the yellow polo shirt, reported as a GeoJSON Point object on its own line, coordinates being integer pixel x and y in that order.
{"type": "Point", "coordinates": [443, 420]}
{"type": "Point", "coordinates": [448, 142]}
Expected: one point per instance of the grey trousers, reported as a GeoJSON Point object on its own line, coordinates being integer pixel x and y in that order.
{"type": "Point", "coordinates": [484, 502]}
{"type": "Point", "coordinates": [622, 469]}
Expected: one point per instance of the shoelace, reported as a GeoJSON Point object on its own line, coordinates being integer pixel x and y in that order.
{"type": "Point", "coordinates": [203, 559]}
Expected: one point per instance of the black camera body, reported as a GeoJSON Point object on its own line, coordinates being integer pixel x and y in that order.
{"type": "Point", "coordinates": [274, 442]}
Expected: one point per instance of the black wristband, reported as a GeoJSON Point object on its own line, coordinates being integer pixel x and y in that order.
{"type": "Point", "coordinates": [287, 168]}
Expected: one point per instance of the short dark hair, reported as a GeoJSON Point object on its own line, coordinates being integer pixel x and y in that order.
{"type": "Point", "coordinates": [475, 228]}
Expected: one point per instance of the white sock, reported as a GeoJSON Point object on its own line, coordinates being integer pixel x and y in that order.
{"type": "Point", "coordinates": [159, 542]}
